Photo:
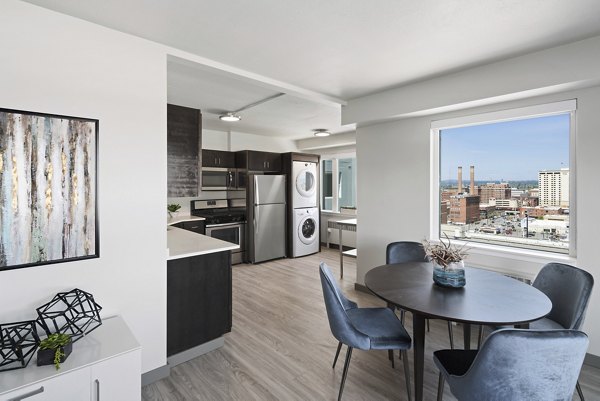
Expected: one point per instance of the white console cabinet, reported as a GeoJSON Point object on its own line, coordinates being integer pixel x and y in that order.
{"type": "Point", "coordinates": [104, 366]}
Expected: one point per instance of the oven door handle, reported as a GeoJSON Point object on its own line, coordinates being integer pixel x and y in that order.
{"type": "Point", "coordinates": [223, 225]}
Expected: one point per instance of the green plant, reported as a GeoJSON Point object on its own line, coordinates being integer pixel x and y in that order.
{"type": "Point", "coordinates": [56, 341]}
{"type": "Point", "coordinates": [173, 207]}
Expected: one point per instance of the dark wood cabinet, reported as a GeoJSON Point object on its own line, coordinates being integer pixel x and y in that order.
{"type": "Point", "coordinates": [253, 160]}
{"type": "Point", "coordinates": [197, 226]}
{"type": "Point", "coordinates": [184, 141]}
{"type": "Point", "coordinates": [199, 305]}
{"type": "Point", "coordinates": [218, 158]}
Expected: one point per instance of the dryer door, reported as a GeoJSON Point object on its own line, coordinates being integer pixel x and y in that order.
{"type": "Point", "coordinates": [306, 183]}
{"type": "Point", "coordinates": [307, 230]}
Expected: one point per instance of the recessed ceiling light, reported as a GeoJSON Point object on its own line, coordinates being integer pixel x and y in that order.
{"type": "Point", "coordinates": [230, 117]}
{"type": "Point", "coordinates": [322, 132]}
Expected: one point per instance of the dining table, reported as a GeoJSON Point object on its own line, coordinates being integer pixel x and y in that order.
{"type": "Point", "coordinates": [488, 298]}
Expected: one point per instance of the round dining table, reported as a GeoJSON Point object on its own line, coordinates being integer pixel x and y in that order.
{"type": "Point", "coordinates": [488, 298]}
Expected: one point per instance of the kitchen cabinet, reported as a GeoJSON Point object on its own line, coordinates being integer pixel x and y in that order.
{"type": "Point", "coordinates": [218, 158]}
{"type": "Point", "coordinates": [199, 304]}
{"type": "Point", "coordinates": [253, 160]}
{"type": "Point", "coordinates": [104, 365]}
{"type": "Point", "coordinates": [184, 142]}
{"type": "Point", "coordinates": [197, 226]}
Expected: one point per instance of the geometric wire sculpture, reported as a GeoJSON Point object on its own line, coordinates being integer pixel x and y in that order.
{"type": "Point", "coordinates": [18, 342]}
{"type": "Point", "coordinates": [74, 313]}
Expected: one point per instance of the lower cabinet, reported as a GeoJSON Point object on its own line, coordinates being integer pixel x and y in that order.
{"type": "Point", "coordinates": [105, 365]}
{"type": "Point", "coordinates": [198, 300]}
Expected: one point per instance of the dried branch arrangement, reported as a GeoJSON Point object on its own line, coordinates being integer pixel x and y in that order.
{"type": "Point", "coordinates": [444, 253]}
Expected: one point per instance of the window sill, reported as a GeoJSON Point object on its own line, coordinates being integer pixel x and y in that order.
{"type": "Point", "coordinates": [513, 261]}
{"type": "Point", "coordinates": [332, 213]}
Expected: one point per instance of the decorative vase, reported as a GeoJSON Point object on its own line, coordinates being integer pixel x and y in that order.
{"type": "Point", "coordinates": [453, 276]}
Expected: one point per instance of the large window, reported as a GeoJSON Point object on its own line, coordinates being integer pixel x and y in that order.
{"type": "Point", "coordinates": [506, 178]}
{"type": "Point", "coordinates": [338, 178]}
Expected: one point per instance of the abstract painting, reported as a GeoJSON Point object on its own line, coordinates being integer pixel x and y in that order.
{"type": "Point", "coordinates": [48, 185]}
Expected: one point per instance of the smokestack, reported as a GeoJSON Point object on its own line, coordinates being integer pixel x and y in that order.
{"type": "Point", "coordinates": [472, 188]}
{"type": "Point", "coordinates": [460, 179]}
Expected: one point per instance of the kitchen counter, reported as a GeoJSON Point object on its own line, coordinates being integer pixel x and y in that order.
{"type": "Point", "coordinates": [182, 218]}
{"type": "Point", "coordinates": [184, 244]}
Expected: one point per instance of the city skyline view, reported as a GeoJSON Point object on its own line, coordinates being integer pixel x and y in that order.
{"type": "Point", "coordinates": [504, 151]}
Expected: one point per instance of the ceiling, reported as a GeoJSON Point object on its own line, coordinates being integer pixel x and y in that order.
{"type": "Point", "coordinates": [339, 49]}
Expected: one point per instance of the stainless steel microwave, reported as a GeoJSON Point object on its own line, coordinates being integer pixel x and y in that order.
{"type": "Point", "coordinates": [223, 179]}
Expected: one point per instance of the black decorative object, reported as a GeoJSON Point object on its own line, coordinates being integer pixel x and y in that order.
{"type": "Point", "coordinates": [74, 313]}
{"type": "Point", "coordinates": [18, 342]}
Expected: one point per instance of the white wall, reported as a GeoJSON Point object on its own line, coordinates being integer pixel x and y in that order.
{"type": "Point", "coordinates": [57, 64]}
{"type": "Point", "coordinates": [399, 153]}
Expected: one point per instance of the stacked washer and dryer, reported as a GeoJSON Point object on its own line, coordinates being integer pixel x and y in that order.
{"type": "Point", "coordinates": [305, 208]}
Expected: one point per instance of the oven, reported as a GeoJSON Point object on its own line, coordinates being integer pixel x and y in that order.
{"type": "Point", "coordinates": [230, 232]}
{"type": "Point", "coordinates": [218, 179]}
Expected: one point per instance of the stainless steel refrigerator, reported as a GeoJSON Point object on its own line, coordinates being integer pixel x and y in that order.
{"type": "Point", "coordinates": [266, 217]}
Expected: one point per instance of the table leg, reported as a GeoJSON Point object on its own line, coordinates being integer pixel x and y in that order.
{"type": "Point", "coordinates": [419, 353]}
{"type": "Point", "coordinates": [341, 256]}
{"type": "Point", "coordinates": [467, 335]}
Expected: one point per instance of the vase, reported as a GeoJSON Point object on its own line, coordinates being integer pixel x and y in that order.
{"type": "Point", "coordinates": [453, 276]}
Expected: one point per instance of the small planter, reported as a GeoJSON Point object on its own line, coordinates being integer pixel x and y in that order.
{"type": "Point", "coordinates": [453, 276]}
{"type": "Point", "coordinates": [46, 356]}
{"type": "Point", "coordinates": [348, 210]}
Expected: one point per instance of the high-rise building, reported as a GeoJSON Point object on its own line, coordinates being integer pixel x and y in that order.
{"type": "Point", "coordinates": [554, 187]}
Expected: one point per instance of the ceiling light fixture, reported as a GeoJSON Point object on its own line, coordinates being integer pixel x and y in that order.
{"type": "Point", "coordinates": [321, 132]}
{"type": "Point", "coordinates": [233, 116]}
{"type": "Point", "coordinates": [230, 117]}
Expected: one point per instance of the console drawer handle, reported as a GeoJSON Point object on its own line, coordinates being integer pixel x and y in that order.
{"type": "Point", "coordinates": [27, 395]}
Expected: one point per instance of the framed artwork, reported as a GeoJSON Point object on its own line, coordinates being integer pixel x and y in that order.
{"type": "Point", "coordinates": [48, 189]}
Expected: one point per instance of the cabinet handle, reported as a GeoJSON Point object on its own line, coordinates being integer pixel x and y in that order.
{"type": "Point", "coordinates": [27, 395]}
{"type": "Point", "coordinates": [97, 389]}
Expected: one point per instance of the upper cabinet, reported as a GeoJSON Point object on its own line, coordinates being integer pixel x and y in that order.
{"type": "Point", "coordinates": [253, 160]}
{"type": "Point", "coordinates": [218, 158]}
{"type": "Point", "coordinates": [184, 133]}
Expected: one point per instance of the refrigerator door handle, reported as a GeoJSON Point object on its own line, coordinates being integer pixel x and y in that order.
{"type": "Point", "coordinates": [256, 219]}
{"type": "Point", "coordinates": [256, 193]}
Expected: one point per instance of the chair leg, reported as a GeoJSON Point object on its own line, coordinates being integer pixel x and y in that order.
{"type": "Point", "coordinates": [345, 373]}
{"type": "Point", "coordinates": [578, 387]}
{"type": "Point", "coordinates": [480, 337]}
{"type": "Point", "coordinates": [402, 313]}
{"type": "Point", "coordinates": [406, 373]}
{"type": "Point", "coordinates": [440, 394]}
{"type": "Point", "coordinates": [451, 334]}
{"type": "Point", "coordinates": [427, 325]}
{"type": "Point", "coordinates": [337, 353]}
{"type": "Point", "coordinates": [391, 357]}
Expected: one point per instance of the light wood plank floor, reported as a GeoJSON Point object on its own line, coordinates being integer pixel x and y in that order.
{"type": "Point", "coordinates": [281, 347]}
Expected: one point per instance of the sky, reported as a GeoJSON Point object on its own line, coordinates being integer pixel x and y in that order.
{"type": "Point", "coordinates": [511, 150]}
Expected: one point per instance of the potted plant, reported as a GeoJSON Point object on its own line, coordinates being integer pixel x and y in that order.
{"type": "Point", "coordinates": [54, 349]}
{"type": "Point", "coordinates": [173, 209]}
{"type": "Point", "coordinates": [448, 262]}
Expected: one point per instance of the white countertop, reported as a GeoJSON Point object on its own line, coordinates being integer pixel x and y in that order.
{"type": "Point", "coordinates": [183, 244]}
{"type": "Point", "coordinates": [181, 218]}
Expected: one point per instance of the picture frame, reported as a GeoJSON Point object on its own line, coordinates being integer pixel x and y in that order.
{"type": "Point", "coordinates": [48, 189]}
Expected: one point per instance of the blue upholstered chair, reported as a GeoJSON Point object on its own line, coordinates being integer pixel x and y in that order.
{"type": "Point", "coordinates": [569, 289]}
{"type": "Point", "coordinates": [362, 328]}
{"type": "Point", "coordinates": [516, 365]}
{"type": "Point", "coordinates": [409, 251]}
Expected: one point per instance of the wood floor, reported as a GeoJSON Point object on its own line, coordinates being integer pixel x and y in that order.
{"type": "Point", "coordinates": [281, 347]}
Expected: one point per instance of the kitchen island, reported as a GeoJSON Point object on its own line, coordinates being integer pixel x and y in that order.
{"type": "Point", "coordinates": [198, 294]}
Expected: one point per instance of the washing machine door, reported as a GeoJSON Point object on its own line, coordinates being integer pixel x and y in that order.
{"type": "Point", "coordinates": [307, 230]}
{"type": "Point", "coordinates": [306, 183]}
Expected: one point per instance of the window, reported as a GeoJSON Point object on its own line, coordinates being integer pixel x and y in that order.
{"type": "Point", "coordinates": [506, 178]}
{"type": "Point", "coordinates": [338, 182]}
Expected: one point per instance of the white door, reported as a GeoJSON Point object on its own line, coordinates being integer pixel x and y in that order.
{"type": "Point", "coordinates": [118, 378]}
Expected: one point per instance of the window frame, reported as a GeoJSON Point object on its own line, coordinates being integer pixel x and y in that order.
{"type": "Point", "coordinates": [334, 157]}
{"type": "Point", "coordinates": [540, 110]}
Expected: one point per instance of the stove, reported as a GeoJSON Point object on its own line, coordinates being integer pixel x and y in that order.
{"type": "Point", "coordinates": [226, 220]}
